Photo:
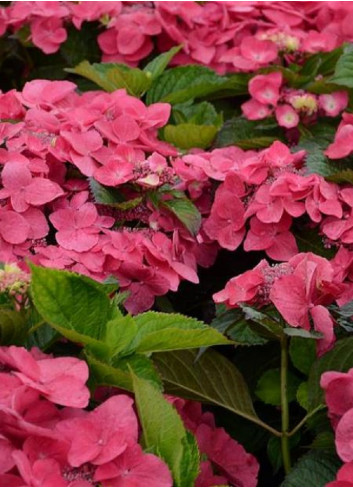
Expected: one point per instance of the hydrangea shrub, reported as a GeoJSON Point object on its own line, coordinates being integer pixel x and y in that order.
{"type": "Point", "coordinates": [176, 244]}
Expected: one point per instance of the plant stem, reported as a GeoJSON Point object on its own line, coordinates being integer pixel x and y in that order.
{"type": "Point", "coordinates": [305, 419]}
{"type": "Point", "coordinates": [284, 405]}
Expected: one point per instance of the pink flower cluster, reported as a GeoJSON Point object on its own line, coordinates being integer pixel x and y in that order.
{"type": "Point", "coordinates": [47, 438]}
{"type": "Point", "coordinates": [44, 445]}
{"type": "Point", "coordinates": [225, 36]}
{"type": "Point", "coordinates": [268, 190]}
{"type": "Point", "coordinates": [62, 140]}
{"type": "Point", "coordinates": [300, 289]}
{"type": "Point", "coordinates": [338, 389]}
{"type": "Point", "coordinates": [224, 461]}
{"type": "Point", "coordinates": [270, 96]}
{"type": "Point", "coordinates": [47, 211]}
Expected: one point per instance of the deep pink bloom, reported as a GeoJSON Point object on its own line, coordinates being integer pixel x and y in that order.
{"type": "Point", "coordinates": [23, 189]}
{"type": "Point", "coordinates": [133, 468]}
{"type": "Point", "coordinates": [101, 435]}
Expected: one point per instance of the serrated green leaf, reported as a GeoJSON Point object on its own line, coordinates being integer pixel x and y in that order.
{"type": "Point", "coordinates": [340, 359]}
{"type": "Point", "coordinates": [118, 374]}
{"type": "Point", "coordinates": [12, 327]}
{"type": "Point", "coordinates": [315, 469]}
{"type": "Point", "coordinates": [343, 74]}
{"type": "Point", "coordinates": [322, 63]}
{"type": "Point", "coordinates": [274, 450]}
{"type": "Point", "coordinates": [185, 211]}
{"type": "Point", "coordinates": [112, 76]}
{"type": "Point", "coordinates": [157, 66]}
{"type": "Point", "coordinates": [73, 304]}
{"type": "Point", "coordinates": [177, 85]}
{"type": "Point", "coordinates": [211, 379]}
{"type": "Point", "coordinates": [268, 388]}
{"type": "Point", "coordinates": [164, 433]}
{"type": "Point", "coordinates": [187, 136]}
{"type": "Point", "coordinates": [157, 331]}
{"type": "Point", "coordinates": [302, 353]}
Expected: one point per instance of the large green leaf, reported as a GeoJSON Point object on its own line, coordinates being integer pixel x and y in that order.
{"type": "Point", "coordinates": [177, 85]}
{"type": "Point", "coordinates": [118, 374]}
{"type": "Point", "coordinates": [112, 76]}
{"type": "Point", "coordinates": [343, 74]}
{"type": "Point", "coordinates": [315, 469]}
{"type": "Point", "coordinates": [340, 359]}
{"type": "Point", "coordinates": [202, 113]}
{"type": "Point", "coordinates": [343, 176]}
{"type": "Point", "coordinates": [166, 332]}
{"type": "Point", "coordinates": [268, 388]}
{"type": "Point", "coordinates": [157, 66]}
{"type": "Point", "coordinates": [164, 433]}
{"type": "Point", "coordinates": [74, 305]}
{"type": "Point", "coordinates": [247, 134]}
{"type": "Point", "coordinates": [187, 136]}
{"type": "Point", "coordinates": [211, 379]}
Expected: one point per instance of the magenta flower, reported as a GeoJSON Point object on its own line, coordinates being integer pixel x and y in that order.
{"type": "Point", "coordinates": [133, 468]}
{"type": "Point", "coordinates": [102, 434]}
{"type": "Point", "coordinates": [23, 189]}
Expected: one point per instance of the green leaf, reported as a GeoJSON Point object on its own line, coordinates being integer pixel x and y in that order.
{"type": "Point", "coordinates": [302, 333]}
{"type": "Point", "coordinates": [120, 333]}
{"type": "Point", "coordinates": [315, 469]}
{"type": "Point", "coordinates": [302, 395]}
{"type": "Point", "coordinates": [274, 450]}
{"type": "Point", "coordinates": [177, 85]}
{"type": "Point", "coordinates": [302, 353]}
{"type": "Point", "coordinates": [211, 379]}
{"type": "Point", "coordinates": [343, 176]}
{"type": "Point", "coordinates": [268, 388]}
{"type": "Point", "coordinates": [112, 76]}
{"type": "Point", "coordinates": [12, 327]}
{"type": "Point", "coordinates": [202, 113]}
{"type": "Point", "coordinates": [73, 304]}
{"type": "Point", "coordinates": [187, 136]}
{"type": "Point", "coordinates": [232, 323]}
{"type": "Point", "coordinates": [118, 373]}
{"type": "Point", "coordinates": [159, 331]}
{"type": "Point", "coordinates": [321, 63]}
{"type": "Point", "coordinates": [247, 134]}
{"type": "Point", "coordinates": [157, 66]}
{"type": "Point", "coordinates": [325, 440]}
{"type": "Point", "coordinates": [343, 74]}
{"type": "Point", "coordinates": [340, 359]}
{"type": "Point", "coordinates": [185, 211]}
{"type": "Point", "coordinates": [164, 433]}
{"type": "Point", "coordinates": [104, 195]}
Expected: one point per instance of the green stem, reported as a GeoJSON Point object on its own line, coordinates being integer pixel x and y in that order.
{"type": "Point", "coordinates": [284, 405]}
{"type": "Point", "coordinates": [305, 419]}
